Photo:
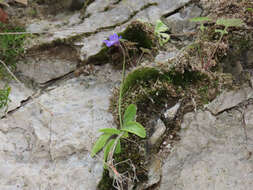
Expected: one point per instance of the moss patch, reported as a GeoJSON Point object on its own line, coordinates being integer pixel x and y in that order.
{"type": "Point", "coordinates": [154, 90]}
{"type": "Point", "coordinates": [140, 33]}
{"type": "Point", "coordinates": [136, 36]}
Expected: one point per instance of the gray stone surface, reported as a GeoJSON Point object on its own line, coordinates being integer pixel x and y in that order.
{"type": "Point", "coordinates": [159, 130]}
{"type": "Point", "coordinates": [118, 14]}
{"type": "Point", "coordinates": [163, 57]}
{"type": "Point", "coordinates": [170, 6]}
{"type": "Point", "coordinates": [18, 93]}
{"type": "Point", "coordinates": [213, 153]}
{"type": "Point", "coordinates": [229, 99]}
{"type": "Point", "coordinates": [171, 112]}
{"type": "Point", "coordinates": [49, 63]}
{"type": "Point", "coordinates": [180, 22]}
{"type": "Point", "coordinates": [92, 45]}
{"type": "Point", "coordinates": [46, 144]}
{"type": "Point", "coordinates": [99, 16]}
{"type": "Point", "coordinates": [154, 174]}
{"type": "Point", "coordinates": [45, 69]}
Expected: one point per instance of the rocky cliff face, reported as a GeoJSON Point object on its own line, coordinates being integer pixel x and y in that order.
{"type": "Point", "coordinates": [69, 83]}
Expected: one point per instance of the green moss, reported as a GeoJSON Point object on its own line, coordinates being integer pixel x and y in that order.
{"type": "Point", "coordinates": [141, 74]}
{"type": "Point", "coordinates": [106, 182]}
{"type": "Point", "coordinates": [137, 35]}
{"type": "Point", "coordinates": [151, 90]}
{"type": "Point", "coordinates": [140, 33]}
{"type": "Point", "coordinates": [101, 57]}
{"type": "Point", "coordinates": [11, 46]}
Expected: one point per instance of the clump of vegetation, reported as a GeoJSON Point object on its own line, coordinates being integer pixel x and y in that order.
{"type": "Point", "coordinates": [225, 23]}
{"type": "Point", "coordinates": [110, 140]}
{"type": "Point", "coordinates": [190, 77]}
{"type": "Point", "coordinates": [138, 38]}
{"type": "Point", "coordinates": [160, 32]}
{"type": "Point", "coordinates": [11, 46]}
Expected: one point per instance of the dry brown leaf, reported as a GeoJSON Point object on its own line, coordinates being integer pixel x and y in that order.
{"type": "Point", "coordinates": [24, 2]}
{"type": "Point", "coordinates": [3, 16]}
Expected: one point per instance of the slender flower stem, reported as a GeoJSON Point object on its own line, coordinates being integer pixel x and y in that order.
{"type": "Point", "coordinates": [121, 85]}
{"type": "Point", "coordinates": [110, 156]}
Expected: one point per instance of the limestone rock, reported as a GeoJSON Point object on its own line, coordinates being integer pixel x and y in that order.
{"type": "Point", "coordinates": [46, 144]}
{"type": "Point", "coordinates": [212, 154]}
{"type": "Point", "coordinates": [229, 99]}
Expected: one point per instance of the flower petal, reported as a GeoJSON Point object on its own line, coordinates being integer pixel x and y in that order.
{"type": "Point", "coordinates": [113, 37]}
{"type": "Point", "coordinates": [108, 43]}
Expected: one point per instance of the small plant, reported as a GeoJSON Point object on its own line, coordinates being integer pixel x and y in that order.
{"type": "Point", "coordinates": [231, 22]}
{"type": "Point", "coordinates": [226, 23]}
{"type": "Point", "coordinates": [129, 126]}
{"type": "Point", "coordinates": [110, 139]}
{"type": "Point", "coordinates": [250, 9]}
{"type": "Point", "coordinates": [4, 96]}
{"type": "Point", "coordinates": [160, 32]}
{"type": "Point", "coordinates": [202, 21]}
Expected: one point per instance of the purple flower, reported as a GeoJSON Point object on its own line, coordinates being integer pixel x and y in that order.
{"type": "Point", "coordinates": [113, 40]}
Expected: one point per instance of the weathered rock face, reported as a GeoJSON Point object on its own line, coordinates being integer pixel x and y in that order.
{"type": "Point", "coordinates": [180, 22]}
{"type": "Point", "coordinates": [17, 95]}
{"type": "Point", "coordinates": [214, 152]}
{"type": "Point", "coordinates": [49, 63]}
{"type": "Point", "coordinates": [99, 17]}
{"type": "Point", "coordinates": [228, 100]}
{"type": "Point", "coordinates": [46, 144]}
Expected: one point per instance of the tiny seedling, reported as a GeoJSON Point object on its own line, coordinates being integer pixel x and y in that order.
{"type": "Point", "coordinates": [230, 22]}
{"type": "Point", "coordinates": [160, 32]}
{"type": "Point", "coordinates": [202, 21]}
{"type": "Point", "coordinates": [226, 23]}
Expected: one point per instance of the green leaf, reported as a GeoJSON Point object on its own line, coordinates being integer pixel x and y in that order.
{"type": "Point", "coordinates": [110, 131]}
{"type": "Point", "coordinates": [164, 38]}
{"type": "Point", "coordinates": [221, 31]}
{"type": "Point", "coordinates": [100, 143]}
{"type": "Point", "coordinates": [200, 19]}
{"type": "Point", "coordinates": [118, 148]}
{"type": "Point", "coordinates": [135, 128]}
{"type": "Point", "coordinates": [113, 131]}
{"type": "Point", "coordinates": [130, 113]}
{"type": "Point", "coordinates": [249, 9]}
{"type": "Point", "coordinates": [202, 27]}
{"type": "Point", "coordinates": [160, 27]}
{"type": "Point", "coordinates": [108, 148]}
{"type": "Point", "coordinates": [230, 22]}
